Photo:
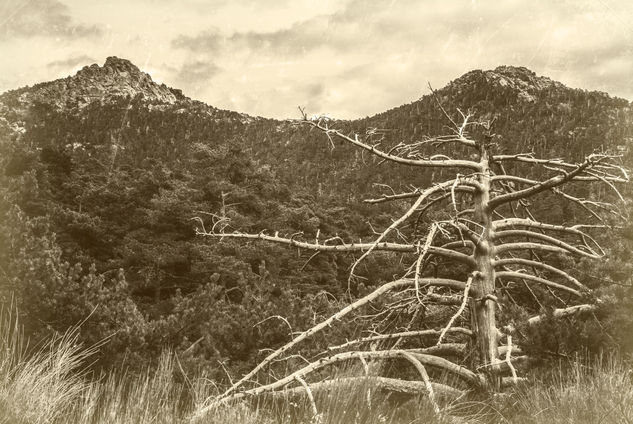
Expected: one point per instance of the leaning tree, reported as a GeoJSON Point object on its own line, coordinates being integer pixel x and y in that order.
{"type": "Point", "coordinates": [488, 232]}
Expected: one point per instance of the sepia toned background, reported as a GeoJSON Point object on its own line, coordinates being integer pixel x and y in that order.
{"type": "Point", "coordinates": [345, 58]}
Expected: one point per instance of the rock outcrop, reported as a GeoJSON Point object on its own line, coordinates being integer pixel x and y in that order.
{"type": "Point", "coordinates": [116, 78]}
{"type": "Point", "coordinates": [523, 81]}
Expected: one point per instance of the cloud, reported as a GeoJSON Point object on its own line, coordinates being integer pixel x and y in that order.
{"type": "Point", "coordinates": [192, 76]}
{"type": "Point", "coordinates": [336, 30]}
{"type": "Point", "coordinates": [314, 89]}
{"type": "Point", "coordinates": [299, 38]}
{"type": "Point", "coordinates": [608, 68]}
{"type": "Point", "coordinates": [197, 71]}
{"type": "Point", "coordinates": [71, 62]}
{"type": "Point", "coordinates": [206, 42]}
{"type": "Point", "coordinates": [47, 18]}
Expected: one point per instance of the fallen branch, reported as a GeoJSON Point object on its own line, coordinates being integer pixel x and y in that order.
{"type": "Point", "coordinates": [337, 316]}
{"type": "Point", "coordinates": [465, 374]}
{"type": "Point", "coordinates": [315, 411]}
{"type": "Point", "coordinates": [418, 333]}
{"type": "Point", "coordinates": [425, 378]}
{"type": "Point", "coordinates": [409, 387]}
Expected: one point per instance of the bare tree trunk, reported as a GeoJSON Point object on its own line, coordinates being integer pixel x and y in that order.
{"type": "Point", "coordinates": [482, 302]}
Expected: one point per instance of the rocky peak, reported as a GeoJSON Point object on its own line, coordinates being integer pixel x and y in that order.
{"type": "Point", "coordinates": [112, 68]}
{"type": "Point", "coordinates": [119, 77]}
{"type": "Point", "coordinates": [116, 78]}
{"type": "Point", "coordinates": [522, 77]}
{"type": "Point", "coordinates": [525, 82]}
{"type": "Point", "coordinates": [120, 65]}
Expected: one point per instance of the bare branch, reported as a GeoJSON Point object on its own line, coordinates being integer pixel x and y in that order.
{"type": "Point", "coordinates": [421, 254]}
{"type": "Point", "coordinates": [416, 333]}
{"type": "Point", "coordinates": [508, 357]}
{"type": "Point", "coordinates": [441, 163]}
{"type": "Point", "coordinates": [537, 264]}
{"type": "Point", "coordinates": [459, 243]}
{"type": "Point", "coordinates": [601, 170]}
{"type": "Point", "coordinates": [439, 104]}
{"type": "Point", "coordinates": [459, 129]}
{"type": "Point", "coordinates": [315, 411]}
{"type": "Point", "coordinates": [425, 194]}
{"type": "Point", "coordinates": [416, 193]}
{"type": "Point", "coordinates": [352, 247]}
{"type": "Point", "coordinates": [390, 384]}
{"type": "Point", "coordinates": [503, 349]}
{"type": "Point", "coordinates": [575, 229]}
{"type": "Point", "coordinates": [546, 184]}
{"type": "Point", "coordinates": [551, 240]}
{"type": "Point", "coordinates": [428, 360]}
{"type": "Point", "coordinates": [336, 317]}
{"type": "Point", "coordinates": [459, 310]}
{"type": "Point", "coordinates": [564, 312]}
{"type": "Point", "coordinates": [508, 247]}
{"type": "Point", "coordinates": [529, 277]}
{"type": "Point", "coordinates": [443, 349]}
{"type": "Point", "coordinates": [425, 377]}
{"type": "Point", "coordinates": [308, 333]}
{"type": "Point", "coordinates": [583, 203]}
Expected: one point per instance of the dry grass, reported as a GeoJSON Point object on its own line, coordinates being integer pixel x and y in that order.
{"type": "Point", "coordinates": [48, 386]}
{"type": "Point", "coordinates": [598, 391]}
{"type": "Point", "coordinates": [40, 387]}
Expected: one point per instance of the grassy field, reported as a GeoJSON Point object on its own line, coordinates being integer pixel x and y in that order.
{"type": "Point", "coordinates": [50, 387]}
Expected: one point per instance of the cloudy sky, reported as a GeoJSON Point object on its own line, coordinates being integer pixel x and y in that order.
{"type": "Point", "coordinates": [346, 58]}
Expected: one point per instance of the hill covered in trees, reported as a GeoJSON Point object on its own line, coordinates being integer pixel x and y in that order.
{"type": "Point", "coordinates": [104, 174]}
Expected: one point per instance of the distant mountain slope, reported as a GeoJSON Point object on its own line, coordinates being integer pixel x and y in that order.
{"type": "Point", "coordinates": [114, 119]}
{"type": "Point", "coordinates": [117, 166]}
{"type": "Point", "coordinates": [94, 84]}
{"type": "Point", "coordinates": [116, 78]}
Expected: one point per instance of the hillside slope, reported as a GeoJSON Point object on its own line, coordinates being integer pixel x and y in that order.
{"type": "Point", "coordinates": [106, 169]}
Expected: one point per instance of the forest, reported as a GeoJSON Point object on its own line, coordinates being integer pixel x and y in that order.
{"type": "Point", "coordinates": [126, 225]}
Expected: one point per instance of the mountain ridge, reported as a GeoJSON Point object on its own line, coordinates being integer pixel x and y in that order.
{"type": "Point", "coordinates": [119, 77]}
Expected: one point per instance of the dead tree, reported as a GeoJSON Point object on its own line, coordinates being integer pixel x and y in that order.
{"type": "Point", "coordinates": [494, 236]}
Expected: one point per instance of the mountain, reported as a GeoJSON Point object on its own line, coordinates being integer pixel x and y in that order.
{"type": "Point", "coordinates": [117, 77]}
{"type": "Point", "coordinates": [111, 171]}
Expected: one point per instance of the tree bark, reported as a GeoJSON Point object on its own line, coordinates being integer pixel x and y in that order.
{"type": "Point", "coordinates": [482, 303]}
